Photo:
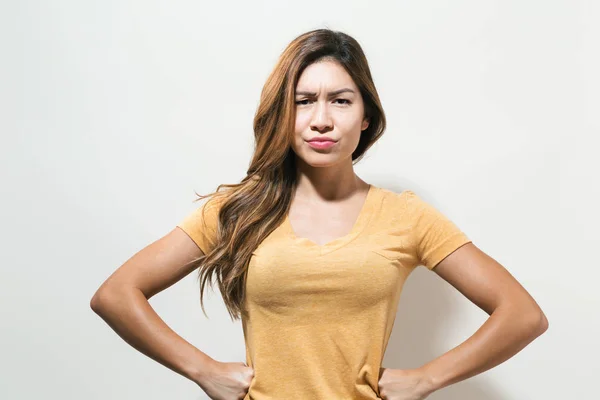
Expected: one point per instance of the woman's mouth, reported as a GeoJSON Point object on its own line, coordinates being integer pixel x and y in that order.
{"type": "Point", "coordinates": [321, 144]}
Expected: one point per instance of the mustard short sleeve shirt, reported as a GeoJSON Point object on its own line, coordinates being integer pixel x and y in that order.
{"type": "Point", "coordinates": [320, 316]}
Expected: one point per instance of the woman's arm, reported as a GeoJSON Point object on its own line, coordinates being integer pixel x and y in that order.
{"type": "Point", "coordinates": [122, 301]}
{"type": "Point", "coordinates": [515, 318]}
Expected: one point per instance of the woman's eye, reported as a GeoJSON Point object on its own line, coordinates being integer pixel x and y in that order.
{"type": "Point", "coordinates": [304, 102]}
{"type": "Point", "coordinates": [344, 100]}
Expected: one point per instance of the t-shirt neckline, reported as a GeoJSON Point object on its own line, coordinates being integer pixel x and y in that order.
{"type": "Point", "coordinates": [364, 216]}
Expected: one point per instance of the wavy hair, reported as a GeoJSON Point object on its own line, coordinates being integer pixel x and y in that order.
{"type": "Point", "coordinates": [250, 210]}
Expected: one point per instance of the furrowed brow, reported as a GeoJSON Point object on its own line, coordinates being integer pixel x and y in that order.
{"type": "Point", "coordinates": [330, 94]}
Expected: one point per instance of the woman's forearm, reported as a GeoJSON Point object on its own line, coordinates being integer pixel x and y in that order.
{"type": "Point", "coordinates": [130, 315]}
{"type": "Point", "coordinates": [507, 331]}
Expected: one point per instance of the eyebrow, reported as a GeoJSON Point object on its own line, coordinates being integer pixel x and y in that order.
{"type": "Point", "coordinates": [330, 94]}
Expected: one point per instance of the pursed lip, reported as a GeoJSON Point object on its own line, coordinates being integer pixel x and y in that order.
{"type": "Point", "coordinates": [321, 139]}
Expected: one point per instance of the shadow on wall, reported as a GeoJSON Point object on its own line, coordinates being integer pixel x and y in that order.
{"type": "Point", "coordinates": [428, 309]}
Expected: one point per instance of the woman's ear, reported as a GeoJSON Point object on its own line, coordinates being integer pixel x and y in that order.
{"type": "Point", "coordinates": [365, 123]}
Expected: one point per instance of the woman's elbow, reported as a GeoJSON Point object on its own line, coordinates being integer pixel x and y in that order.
{"type": "Point", "coordinates": [542, 323]}
{"type": "Point", "coordinates": [98, 299]}
{"type": "Point", "coordinates": [103, 298]}
{"type": "Point", "coordinates": [537, 322]}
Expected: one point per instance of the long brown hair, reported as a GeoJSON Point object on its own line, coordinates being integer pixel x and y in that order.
{"type": "Point", "coordinates": [250, 210]}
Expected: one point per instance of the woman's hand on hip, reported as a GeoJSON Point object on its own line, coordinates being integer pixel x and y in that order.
{"type": "Point", "coordinates": [403, 384]}
{"type": "Point", "coordinates": [226, 380]}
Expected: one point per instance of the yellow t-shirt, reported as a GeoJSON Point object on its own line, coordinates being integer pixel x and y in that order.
{"type": "Point", "coordinates": [320, 316]}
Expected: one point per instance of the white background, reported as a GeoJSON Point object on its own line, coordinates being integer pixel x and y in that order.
{"type": "Point", "coordinates": [114, 112]}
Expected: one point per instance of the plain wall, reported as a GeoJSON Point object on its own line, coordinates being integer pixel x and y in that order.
{"type": "Point", "coordinates": [113, 113]}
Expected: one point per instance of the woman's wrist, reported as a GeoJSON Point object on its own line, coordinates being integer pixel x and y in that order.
{"type": "Point", "coordinates": [427, 382]}
{"type": "Point", "coordinates": [200, 368]}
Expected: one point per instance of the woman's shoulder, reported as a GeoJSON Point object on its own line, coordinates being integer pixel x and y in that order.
{"type": "Point", "coordinates": [399, 196]}
{"type": "Point", "coordinates": [403, 204]}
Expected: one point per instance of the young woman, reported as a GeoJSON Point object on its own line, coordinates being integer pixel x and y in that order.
{"type": "Point", "coordinates": [312, 258]}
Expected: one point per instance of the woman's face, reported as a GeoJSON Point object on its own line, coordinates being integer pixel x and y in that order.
{"type": "Point", "coordinates": [328, 106]}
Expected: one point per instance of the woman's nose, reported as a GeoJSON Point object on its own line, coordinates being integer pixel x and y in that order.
{"type": "Point", "coordinates": [321, 118]}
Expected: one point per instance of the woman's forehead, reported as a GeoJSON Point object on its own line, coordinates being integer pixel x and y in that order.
{"type": "Point", "coordinates": [324, 76]}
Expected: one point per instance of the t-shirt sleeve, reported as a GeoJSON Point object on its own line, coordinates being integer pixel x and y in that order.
{"type": "Point", "coordinates": [201, 224]}
{"type": "Point", "coordinates": [433, 234]}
